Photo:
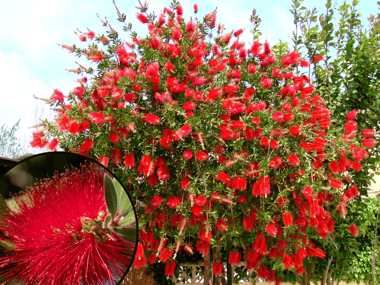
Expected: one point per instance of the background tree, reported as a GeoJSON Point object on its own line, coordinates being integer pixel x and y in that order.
{"type": "Point", "coordinates": [346, 72]}
{"type": "Point", "coordinates": [9, 144]}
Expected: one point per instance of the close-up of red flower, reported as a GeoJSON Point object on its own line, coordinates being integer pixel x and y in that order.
{"type": "Point", "coordinates": [57, 233]}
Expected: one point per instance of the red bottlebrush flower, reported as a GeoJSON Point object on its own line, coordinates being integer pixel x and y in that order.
{"type": "Point", "coordinates": [219, 149]}
{"type": "Point", "coordinates": [275, 162]}
{"type": "Point", "coordinates": [152, 119]}
{"type": "Point", "coordinates": [198, 96]}
{"type": "Point", "coordinates": [165, 254]}
{"type": "Point", "coordinates": [79, 91]}
{"type": "Point", "coordinates": [317, 58]}
{"type": "Point", "coordinates": [369, 142]}
{"type": "Point", "coordinates": [353, 230]}
{"type": "Point", "coordinates": [336, 184]}
{"type": "Point", "coordinates": [196, 210]}
{"type": "Point", "coordinates": [267, 49]}
{"type": "Point", "coordinates": [334, 167]}
{"type": "Point", "coordinates": [156, 201]}
{"type": "Point", "coordinates": [201, 155]}
{"type": "Point", "coordinates": [163, 172]}
{"type": "Point", "coordinates": [116, 157]}
{"type": "Point", "coordinates": [198, 81]}
{"type": "Point", "coordinates": [96, 57]}
{"type": "Point", "coordinates": [188, 106]}
{"type": "Point", "coordinates": [142, 18]}
{"type": "Point", "coordinates": [205, 236]}
{"type": "Point", "coordinates": [217, 269]}
{"type": "Point", "coordinates": [367, 133]}
{"type": "Point", "coordinates": [239, 183]}
{"type": "Point", "coordinates": [153, 180]}
{"type": "Point", "coordinates": [190, 26]}
{"type": "Point", "coordinates": [248, 224]}
{"type": "Point", "coordinates": [103, 160]}
{"type": "Point", "coordinates": [238, 125]}
{"type": "Point", "coordinates": [287, 218]}
{"type": "Point", "coordinates": [58, 245]}
{"type": "Point", "coordinates": [185, 183]}
{"type": "Point", "coordinates": [170, 268]}
{"type": "Point", "coordinates": [287, 261]}
{"type": "Point", "coordinates": [256, 120]}
{"type": "Point", "coordinates": [266, 82]}
{"type": "Point", "coordinates": [176, 33]}
{"type": "Point", "coordinates": [174, 202]}
{"type": "Point", "coordinates": [184, 131]}
{"type": "Point", "coordinates": [351, 115]}
{"type": "Point", "coordinates": [278, 116]}
{"type": "Point", "coordinates": [86, 146]}
{"type": "Point", "coordinates": [57, 95]}
{"type": "Point", "coordinates": [238, 32]}
{"type": "Point", "coordinates": [221, 225]}
{"type": "Point", "coordinates": [251, 68]}
{"type": "Point", "coordinates": [114, 137]}
{"type": "Point", "coordinates": [130, 97]}
{"type": "Point", "coordinates": [96, 118]}
{"type": "Point", "coordinates": [152, 258]}
{"type": "Point", "coordinates": [129, 161]}
{"type": "Point", "coordinates": [350, 127]}
{"type": "Point", "coordinates": [242, 199]}
{"type": "Point", "coordinates": [307, 192]}
{"type": "Point", "coordinates": [234, 257]}
{"type": "Point", "coordinates": [264, 142]}
{"type": "Point", "coordinates": [319, 253]}
{"type": "Point", "coordinates": [187, 154]}
{"type": "Point", "coordinates": [200, 200]}
{"type": "Point", "coordinates": [293, 160]}
{"type": "Point", "coordinates": [53, 144]}
{"type": "Point", "coordinates": [276, 72]}
{"type": "Point", "coordinates": [169, 66]}
{"type": "Point", "coordinates": [271, 230]}
{"type": "Point", "coordinates": [179, 10]}
{"type": "Point", "coordinates": [295, 130]}
{"type": "Point", "coordinates": [289, 117]}
{"type": "Point", "coordinates": [224, 177]}
{"type": "Point", "coordinates": [325, 123]}
{"type": "Point", "coordinates": [274, 144]}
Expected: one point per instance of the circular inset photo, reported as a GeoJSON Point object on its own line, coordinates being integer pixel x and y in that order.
{"type": "Point", "coordinates": [64, 219]}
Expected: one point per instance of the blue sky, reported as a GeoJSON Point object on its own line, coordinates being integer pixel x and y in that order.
{"type": "Point", "coordinates": [33, 64]}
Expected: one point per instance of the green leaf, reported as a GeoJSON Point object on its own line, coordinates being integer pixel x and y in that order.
{"type": "Point", "coordinates": [6, 244]}
{"type": "Point", "coordinates": [107, 220]}
{"type": "Point", "coordinates": [123, 202]}
{"type": "Point", "coordinates": [130, 218]}
{"type": "Point", "coordinates": [128, 234]}
{"type": "Point", "coordinates": [110, 194]}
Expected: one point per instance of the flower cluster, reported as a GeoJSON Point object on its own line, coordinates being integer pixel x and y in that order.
{"type": "Point", "coordinates": [216, 140]}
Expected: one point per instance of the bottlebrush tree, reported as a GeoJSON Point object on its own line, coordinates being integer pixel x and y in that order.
{"type": "Point", "coordinates": [217, 140]}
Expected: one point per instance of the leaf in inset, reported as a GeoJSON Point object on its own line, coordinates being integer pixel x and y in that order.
{"type": "Point", "coordinates": [110, 194]}
{"type": "Point", "coordinates": [128, 234]}
{"type": "Point", "coordinates": [123, 202]}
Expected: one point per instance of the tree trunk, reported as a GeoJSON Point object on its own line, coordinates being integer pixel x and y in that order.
{"type": "Point", "coordinates": [207, 270]}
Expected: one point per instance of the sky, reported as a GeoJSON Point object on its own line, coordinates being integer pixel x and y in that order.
{"type": "Point", "coordinates": [33, 64]}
